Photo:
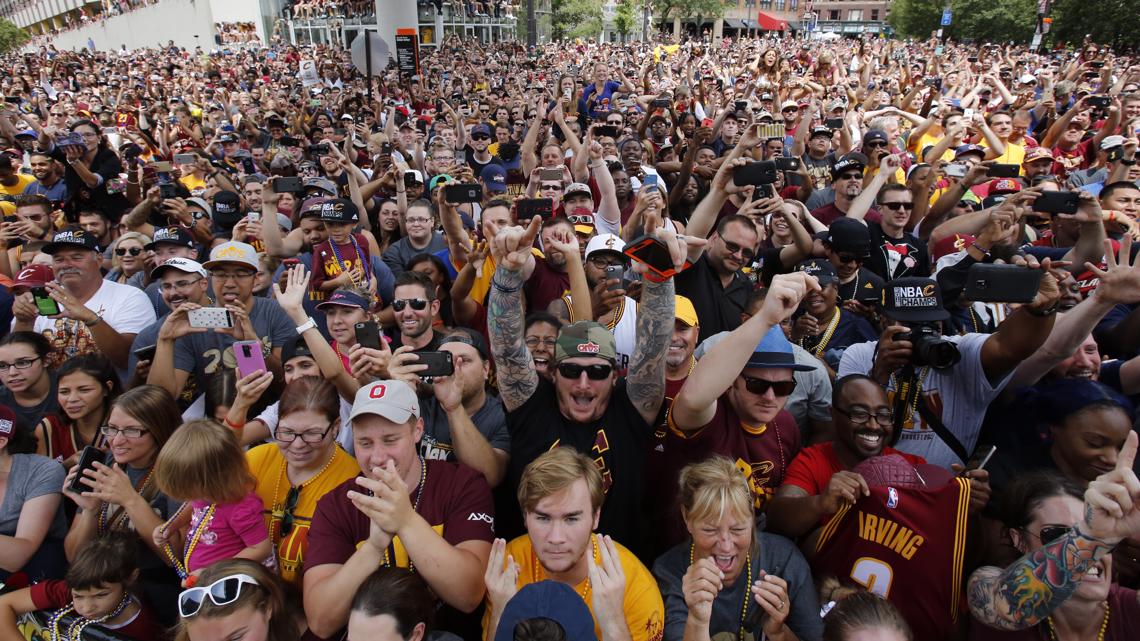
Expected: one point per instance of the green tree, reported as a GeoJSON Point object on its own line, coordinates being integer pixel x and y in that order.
{"type": "Point", "coordinates": [576, 18]}
{"type": "Point", "coordinates": [625, 18]}
{"type": "Point", "coordinates": [11, 36]}
{"type": "Point", "coordinates": [1111, 22]}
{"type": "Point", "coordinates": [669, 9]}
{"type": "Point", "coordinates": [987, 20]}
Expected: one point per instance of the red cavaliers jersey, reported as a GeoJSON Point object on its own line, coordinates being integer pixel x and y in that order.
{"type": "Point", "coordinates": [906, 545]}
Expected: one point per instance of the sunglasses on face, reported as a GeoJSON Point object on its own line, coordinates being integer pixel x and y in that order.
{"type": "Point", "coordinates": [133, 251]}
{"type": "Point", "coordinates": [760, 386]}
{"type": "Point", "coordinates": [417, 304]}
{"type": "Point", "coordinates": [875, 144]}
{"type": "Point", "coordinates": [1051, 533]}
{"type": "Point", "coordinates": [222, 592]}
{"type": "Point", "coordinates": [745, 252]}
{"type": "Point", "coordinates": [595, 372]}
{"type": "Point", "coordinates": [899, 205]}
{"type": "Point", "coordinates": [480, 137]}
{"type": "Point", "coordinates": [860, 416]}
{"type": "Point", "coordinates": [848, 258]}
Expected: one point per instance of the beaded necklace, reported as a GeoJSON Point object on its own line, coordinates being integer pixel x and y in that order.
{"type": "Point", "coordinates": [182, 567]}
{"type": "Point", "coordinates": [359, 256]}
{"type": "Point", "coordinates": [278, 511]}
{"type": "Point", "coordinates": [747, 588]}
{"type": "Point", "coordinates": [903, 390]}
{"type": "Point", "coordinates": [1099, 636]}
{"type": "Point", "coordinates": [75, 630]}
{"type": "Point", "coordinates": [537, 573]}
{"type": "Point", "coordinates": [390, 551]}
{"type": "Point", "coordinates": [618, 311]}
{"type": "Point", "coordinates": [106, 525]}
{"type": "Point", "coordinates": [821, 346]}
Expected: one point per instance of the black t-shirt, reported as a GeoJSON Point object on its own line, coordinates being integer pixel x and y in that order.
{"type": "Point", "coordinates": [616, 442]}
{"type": "Point", "coordinates": [865, 287]}
{"type": "Point", "coordinates": [718, 307]}
{"type": "Point", "coordinates": [893, 258]}
{"type": "Point", "coordinates": [476, 166]}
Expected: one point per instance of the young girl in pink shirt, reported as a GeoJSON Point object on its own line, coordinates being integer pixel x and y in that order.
{"type": "Point", "coordinates": [202, 464]}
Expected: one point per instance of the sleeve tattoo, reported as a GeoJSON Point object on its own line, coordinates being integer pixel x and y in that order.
{"type": "Point", "coordinates": [1026, 592]}
{"type": "Point", "coordinates": [646, 378]}
{"type": "Point", "coordinates": [514, 365]}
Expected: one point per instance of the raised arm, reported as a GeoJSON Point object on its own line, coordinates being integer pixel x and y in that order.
{"type": "Point", "coordinates": [1035, 585]}
{"type": "Point", "coordinates": [517, 377]}
{"type": "Point", "coordinates": [695, 404]}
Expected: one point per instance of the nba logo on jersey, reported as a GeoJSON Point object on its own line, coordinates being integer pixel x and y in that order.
{"type": "Point", "coordinates": [892, 497]}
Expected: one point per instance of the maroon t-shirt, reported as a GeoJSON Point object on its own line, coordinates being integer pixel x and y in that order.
{"type": "Point", "coordinates": [456, 502]}
{"type": "Point", "coordinates": [762, 453]}
{"type": "Point", "coordinates": [53, 595]}
{"type": "Point", "coordinates": [544, 286]}
{"type": "Point", "coordinates": [830, 213]}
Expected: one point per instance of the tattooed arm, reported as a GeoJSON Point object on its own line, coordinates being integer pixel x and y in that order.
{"type": "Point", "coordinates": [646, 378]}
{"type": "Point", "coordinates": [515, 367]}
{"type": "Point", "coordinates": [1036, 584]}
{"type": "Point", "coordinates": [1026, 592]}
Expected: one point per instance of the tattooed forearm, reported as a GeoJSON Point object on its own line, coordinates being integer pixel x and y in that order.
{"type": "Point", "coordinates": [646, 378]}
{"type": "Point", "coordinates": [513, 363]}
{"type": "Point", "coordinates": [1036, 584]}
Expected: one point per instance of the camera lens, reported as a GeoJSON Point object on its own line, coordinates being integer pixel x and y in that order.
{"type": "Point", "coordinates": [936, 352]}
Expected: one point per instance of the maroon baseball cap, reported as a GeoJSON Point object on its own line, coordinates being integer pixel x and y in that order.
{"type": "Point", "coordinates": [34, 276]}
{"type": "Point", "coordinates": [7, 421]}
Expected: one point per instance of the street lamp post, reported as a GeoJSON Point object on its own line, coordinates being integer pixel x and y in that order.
{"type": "Point", "coordinates": [749, 4]}
{"type": "Point", "coordinates": [531, 25]}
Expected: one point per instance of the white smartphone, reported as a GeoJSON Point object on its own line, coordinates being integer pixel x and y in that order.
{"type": "Point", "coordinates": [210, 318]}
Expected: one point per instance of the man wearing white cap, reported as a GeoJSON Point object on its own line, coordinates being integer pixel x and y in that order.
{"type": "Point", "coordinates": [183, 349]}
{"type": "Point", "coordinates": [434, 517]}
{"type": "Point", "coordinates": [612, 307]}
{"type": "Point", "coordinates": [178, 280]}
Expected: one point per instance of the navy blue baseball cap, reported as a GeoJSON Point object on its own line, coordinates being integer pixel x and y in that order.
{"type": "Point", "coordinates": [548, 600]}
{"type": "Point", "coordinates": [345, 298]}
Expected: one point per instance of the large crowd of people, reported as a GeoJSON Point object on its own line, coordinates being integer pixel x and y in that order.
{"type": "Point", "coordinates": [758, 338]}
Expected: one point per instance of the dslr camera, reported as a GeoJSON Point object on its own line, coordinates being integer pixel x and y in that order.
{"type": "Point", "coordinates": [929, 347]}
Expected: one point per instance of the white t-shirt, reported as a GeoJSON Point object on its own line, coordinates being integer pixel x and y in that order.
{"type": "Point", "coordinates": [125, 309]}
{"type": "Point", "coordinates": [958, 396]}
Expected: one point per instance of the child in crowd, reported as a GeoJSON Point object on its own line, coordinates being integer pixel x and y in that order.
{"type": "Point", "coordinates": [95, 592]}
{"type": "Point", "coordinates": [203, 465]}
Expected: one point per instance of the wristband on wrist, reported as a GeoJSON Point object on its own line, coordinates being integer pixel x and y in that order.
{"type": "Point", "coordinates": [502, 288]}
{"type": "Point", "coordinates": [306, 326]}
{"type": "Point", "coordinates": [98, 319]}
{"type": "Point", "coordinates": [234, 426]}
{"type": "Point", "coordinates": [1044, 313]}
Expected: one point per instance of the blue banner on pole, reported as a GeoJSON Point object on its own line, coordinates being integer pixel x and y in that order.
{"type": "Point", "coordinates": [946, 17]}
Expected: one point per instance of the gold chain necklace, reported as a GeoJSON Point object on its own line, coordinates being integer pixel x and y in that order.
{"type": "Point", "coordinates": [537, 573]}
{"type": "Point", "coordinates": [747, 588]}
{"type": "Point", "coordinates": [1099, 636]}
{"type": "Point", "coordinates": [903, 389]}
{"type": "Point", "coordinates": [821, 346]}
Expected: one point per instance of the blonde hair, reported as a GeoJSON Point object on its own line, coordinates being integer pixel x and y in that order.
{"type": "Point", "coordinates": [203, 460]}
{"type": "Point", "coordinates": [144, 240]}
{"type": "Point", "coordinates": [555, 471]}
{"type": "Point", "coordinates": [713, 487]}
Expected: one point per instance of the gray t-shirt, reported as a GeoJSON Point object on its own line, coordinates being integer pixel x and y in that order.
{"type": "Point", "coordinates": [959, 397]}
{"type": "Point", "coordinates": [30, 416]}
{"type": "Point", "coordinates": [401, 251]}
{"type": "Point", "coordinates": [490, 420]}
{"type": "Point", "coordinates": [778, 556]}
{"type": "Point", "coordinates": [207, 353]}
{"type": "Point", "coordinates": [32, 476]}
